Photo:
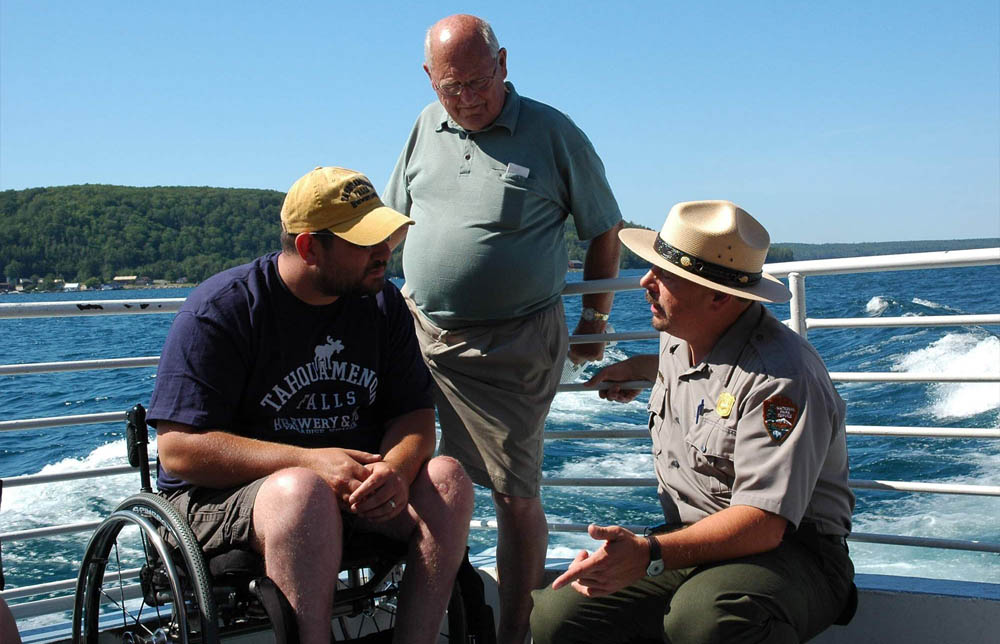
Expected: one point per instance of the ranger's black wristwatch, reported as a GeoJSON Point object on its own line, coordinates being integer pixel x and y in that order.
{"type": "Point", "coordinates": [655, 566]}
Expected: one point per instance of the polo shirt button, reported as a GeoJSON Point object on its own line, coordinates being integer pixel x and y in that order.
{"type": "Point", "coordinates": [468, 156]}
{"type": "Point", "coordinates": [674, 463]}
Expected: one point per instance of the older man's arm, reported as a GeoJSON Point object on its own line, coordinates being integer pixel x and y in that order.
{"type": "Point", "coordinates": [601, 262]}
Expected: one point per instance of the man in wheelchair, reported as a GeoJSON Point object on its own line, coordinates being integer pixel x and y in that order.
{"type": "Point", "coordinates": [293, 412]}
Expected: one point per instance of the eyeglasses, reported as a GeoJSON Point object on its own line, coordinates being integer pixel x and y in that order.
{"type": "Point", "coordinates": [477, 85]}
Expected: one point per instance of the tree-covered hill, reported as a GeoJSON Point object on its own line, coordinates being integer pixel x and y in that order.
{"type": "Point", "coordinates": [864, 249]}
{"type": "Point", "coordinates": [80, 232]}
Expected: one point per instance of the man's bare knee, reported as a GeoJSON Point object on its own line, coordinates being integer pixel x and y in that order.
{"type": "Point", "coordinates": [292, 498]}
{"type": "Point", "coordinates": [451, 483]}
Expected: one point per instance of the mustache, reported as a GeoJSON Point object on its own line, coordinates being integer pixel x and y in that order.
{"type": "Point", "coordinates": [377, 264]}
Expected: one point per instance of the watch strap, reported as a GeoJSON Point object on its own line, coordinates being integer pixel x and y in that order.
{"type": "Point", "coordinates": [655, 566]}
{"type": "Point", "coordinates": [654, 548]}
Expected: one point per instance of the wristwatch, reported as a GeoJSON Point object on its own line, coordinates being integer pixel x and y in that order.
{"type": "Point", "coordinates": [590, 314]}
{"type": "Point", "coordinates": [655, 566]}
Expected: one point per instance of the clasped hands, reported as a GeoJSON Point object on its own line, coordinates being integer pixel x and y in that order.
{"type": "Point", "coordinates": [620, 560]}
{"type": "Point", "coordinates": [365, 484]}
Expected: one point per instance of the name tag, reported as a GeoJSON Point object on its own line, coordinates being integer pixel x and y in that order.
{"type": "Point", "coordinates": [514, 170]}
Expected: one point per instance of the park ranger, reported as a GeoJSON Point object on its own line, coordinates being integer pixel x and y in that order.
{"type": "Point", "coordinates": [750, 455]}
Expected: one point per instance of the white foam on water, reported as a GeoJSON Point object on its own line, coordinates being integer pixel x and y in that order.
{"type": "Point", "coordinates": [586, 409]}
{"type": "Point", "coordinates": [936, 516]}
{"type": "Point", "coordinates": [609, 461]}
{"type": "Point", "coordinates": [932, 305]}
{"type": "Point", "coordinates": [958, 354]}
{"type": "Point", "coordinates": [71, 501]}
{"type": "Point", "coordinates": [876, 305]}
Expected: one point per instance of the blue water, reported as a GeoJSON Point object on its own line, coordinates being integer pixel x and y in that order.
{"type": "Point", "coordinates": [947, 350]}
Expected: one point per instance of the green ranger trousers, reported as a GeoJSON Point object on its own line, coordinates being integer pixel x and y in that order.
{"type": "Point", "coordinates": [786, 595]}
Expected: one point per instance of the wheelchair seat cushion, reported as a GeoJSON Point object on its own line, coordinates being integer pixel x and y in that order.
{"type": "Point", "coordinates": [236, 563]}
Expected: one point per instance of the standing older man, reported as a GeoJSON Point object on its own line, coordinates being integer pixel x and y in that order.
{"type": "Point", "coordinates": [490, 177]}
{"type": "Point", "coordinates": [750, 454]}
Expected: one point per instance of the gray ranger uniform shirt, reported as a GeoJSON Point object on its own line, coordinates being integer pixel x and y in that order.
{"type": "Point", "coordinates": [757, 423]}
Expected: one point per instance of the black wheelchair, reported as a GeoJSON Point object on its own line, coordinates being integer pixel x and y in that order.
{"type": "Point", "coordinates": [144, 580]}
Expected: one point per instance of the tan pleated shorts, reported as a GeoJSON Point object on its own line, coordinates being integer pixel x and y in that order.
{"type": "Point", "coordinates": [493, 388]}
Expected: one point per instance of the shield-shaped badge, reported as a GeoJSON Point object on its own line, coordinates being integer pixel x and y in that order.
{"type": "Point", "coordinates": [780, 416]}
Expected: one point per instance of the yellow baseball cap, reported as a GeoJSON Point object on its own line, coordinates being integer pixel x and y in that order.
{"type": "Point", "coordinates": [342, 201]}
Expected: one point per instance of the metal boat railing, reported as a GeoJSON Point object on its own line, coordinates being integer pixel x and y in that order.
{"type": "Point", "coordinates": [796, 272]}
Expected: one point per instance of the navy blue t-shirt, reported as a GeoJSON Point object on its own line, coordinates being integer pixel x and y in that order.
{"type": "Point", "coordinates": [244, 355]}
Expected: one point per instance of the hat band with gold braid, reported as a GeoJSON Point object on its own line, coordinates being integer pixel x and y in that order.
{"type": "Point", "coordinates": [712, 272]}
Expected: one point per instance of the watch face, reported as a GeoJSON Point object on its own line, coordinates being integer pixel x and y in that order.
{"type": "Point", "coordinates": [655, 567]}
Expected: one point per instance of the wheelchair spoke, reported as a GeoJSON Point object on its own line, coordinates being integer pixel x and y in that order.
{"type": "Point", "coordinates": [135, 627]}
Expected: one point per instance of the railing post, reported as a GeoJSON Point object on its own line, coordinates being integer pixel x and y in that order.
{"type": "Point", "coordinates": [797, 307]}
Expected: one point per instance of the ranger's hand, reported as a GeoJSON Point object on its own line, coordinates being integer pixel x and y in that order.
{"type": "Point", "coordinates": [383, 495]}
{"type": "Point", "coordinates": [621, 560]}
{"type": "Point", "coordinates": [619, 372]}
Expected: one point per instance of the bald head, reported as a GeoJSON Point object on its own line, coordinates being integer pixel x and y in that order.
{"type": "Point", "coordinates": [467, 69]}
{"type": "Point", "coordinates": [459, 32]}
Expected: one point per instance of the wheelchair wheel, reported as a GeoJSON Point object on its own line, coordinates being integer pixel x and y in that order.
{"type": "Point", "coordinates": [136, 588]}
{"type": "Point", "coordinates": [374, 623]}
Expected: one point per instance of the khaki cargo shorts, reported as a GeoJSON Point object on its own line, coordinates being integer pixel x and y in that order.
{"type": "Point", "coordinates": [493, 388]}
{"type": "Point", "coordinates": [221, 519]}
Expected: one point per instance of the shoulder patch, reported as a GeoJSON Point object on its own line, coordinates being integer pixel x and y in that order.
{"type": "Point", "coordinates": [780, 416]}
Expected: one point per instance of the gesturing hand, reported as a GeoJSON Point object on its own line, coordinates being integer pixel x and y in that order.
{"type": "Point", "coordinates": [620, 560]}
{"type": "Point", "coordinates": [383, 495]}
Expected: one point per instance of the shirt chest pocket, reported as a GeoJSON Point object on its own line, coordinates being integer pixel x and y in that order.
{"type": "Point", "coordinates": [657, 400]}
{"type": "Point", "coordinates": [502, 197]}
{"type": "Point", "coordinates": [710, 450]}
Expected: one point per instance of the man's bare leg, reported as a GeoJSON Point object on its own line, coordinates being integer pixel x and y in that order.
{"type": "Point", "coordinates": [522, 540]}
{"type": "Point", "coordinates": [298, 528]}
{"type": "Point", "coordinates": [441, 503]}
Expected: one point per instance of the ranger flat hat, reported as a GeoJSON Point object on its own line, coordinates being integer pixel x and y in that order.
{"type": "Point", "coordinates": [342, 201]}
{"type": "Point", "coordinates": [715, 244]}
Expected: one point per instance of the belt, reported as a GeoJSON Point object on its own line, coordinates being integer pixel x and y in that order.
{"type": "Point", "coordinates": [840, 540]}
{"type": "Point", "coordinates": [808, 534]}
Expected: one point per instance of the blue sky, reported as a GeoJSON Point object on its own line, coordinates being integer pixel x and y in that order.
{"type": "Point", "coordinates": [830, 122]}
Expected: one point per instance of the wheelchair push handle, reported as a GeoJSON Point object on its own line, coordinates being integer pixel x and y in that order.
{"type": "Point", "coordinates": [136, 439]}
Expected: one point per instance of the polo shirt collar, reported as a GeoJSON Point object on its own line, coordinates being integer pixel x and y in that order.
{"type": "Point", "coordinates": [506, 119]}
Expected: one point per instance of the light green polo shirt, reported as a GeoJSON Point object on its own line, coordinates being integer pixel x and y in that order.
{"type": "Point", "coordinates": [489, 208]}
{"type": "Point", "coordinates": [757, 423]}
